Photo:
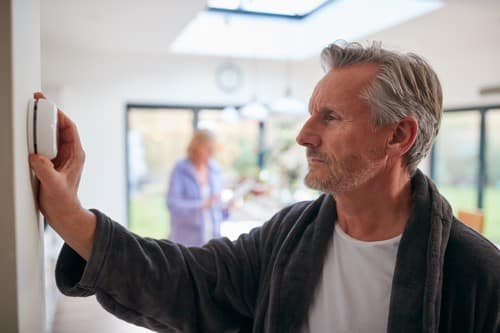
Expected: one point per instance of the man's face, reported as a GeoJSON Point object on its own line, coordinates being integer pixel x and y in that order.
{"type": "Point", "coordinates": [344, 150]}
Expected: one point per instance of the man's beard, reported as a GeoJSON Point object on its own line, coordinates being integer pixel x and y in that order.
{"type": "Point", "coordinates": [340, 176]}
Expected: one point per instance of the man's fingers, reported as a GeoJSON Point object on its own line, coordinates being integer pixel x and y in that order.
{"type": "Point", "coordinates": [43, 168]}
{"type": "Point", "coordinates": [38, 95]}
{"type": "Point", "coordinates": [67, 129]}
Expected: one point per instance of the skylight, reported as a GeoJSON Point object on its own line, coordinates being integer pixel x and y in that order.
{"type": "Point", "coordinates": [271, 37]}
{"type": "Point", "coordinates": [287, 8]}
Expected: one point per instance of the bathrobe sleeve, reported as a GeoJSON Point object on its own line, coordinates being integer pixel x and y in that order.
{"type": "Point", "coordinates": [165, 286]}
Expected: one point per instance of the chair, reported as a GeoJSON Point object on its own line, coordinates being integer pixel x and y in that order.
{"type": "Point", "coordinates": [474, 219]}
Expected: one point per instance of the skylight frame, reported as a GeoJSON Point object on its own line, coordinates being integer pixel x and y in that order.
{"type": "Point", "coordinates": [240, 11]}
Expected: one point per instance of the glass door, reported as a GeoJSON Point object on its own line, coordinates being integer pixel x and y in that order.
{"type": "Point", "coordinates": [456, 158]}
{"type": "Point", "coordinates": [157, 138]}
{"type": "Point", "coordinates": [492, 187]}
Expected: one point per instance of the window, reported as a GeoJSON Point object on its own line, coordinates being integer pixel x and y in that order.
{"type": "Point", "coordinates": [492, 183]}
{"type": "Point", "coordinates": [158, 136]}
{"type": "Point", "coordinates": [288, 8]}
{"type": "Point", "coordinates": [465, 163]}
{"type": "Point", "coordinates": [456, 154]}
{"type": "Point", "coordinates": [237, 143]}
{"type": "Point", "coordinates": [156, 139]}
{"type": "Point", "coordinates": [286, 163]}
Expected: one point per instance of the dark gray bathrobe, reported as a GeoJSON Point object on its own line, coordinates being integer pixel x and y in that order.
{"type": "Point", "coordinates": [446, 279]}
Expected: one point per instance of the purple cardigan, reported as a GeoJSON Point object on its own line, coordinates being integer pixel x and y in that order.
{"type": "Point", "coordinates": [184, 200]}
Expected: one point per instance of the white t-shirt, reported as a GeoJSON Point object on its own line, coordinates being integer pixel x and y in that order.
{"type": "Point", "coordinates": [355, 287]}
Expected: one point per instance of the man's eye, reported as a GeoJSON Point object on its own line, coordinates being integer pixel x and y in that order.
{"type": "Point", "coordinates": [331, 117]}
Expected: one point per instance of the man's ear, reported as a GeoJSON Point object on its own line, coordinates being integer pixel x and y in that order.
{"type": "Point", "coordinates": [402, 137]}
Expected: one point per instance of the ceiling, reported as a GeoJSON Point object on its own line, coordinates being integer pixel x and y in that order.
{"type": "Point", "coordinates": [112, 26]}
{"type": "Point", "coordinates": [115, 26]}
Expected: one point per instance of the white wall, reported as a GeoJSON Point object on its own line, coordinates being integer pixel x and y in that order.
{"type": "Point", "coordinates": [21, 245]}
{"type": "Point", "coordinates": [8, 278]}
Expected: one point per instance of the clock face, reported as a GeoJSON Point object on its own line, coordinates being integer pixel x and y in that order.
{"type": "Point", "coordinates": [228, 77]}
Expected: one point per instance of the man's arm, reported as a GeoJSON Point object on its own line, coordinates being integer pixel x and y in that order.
{"type": "Point", "coordinates": [59, 180]}
{"type": "Point", "coordinates": [162, 285]}
{"type": "Point", "coordinates": [153, 283]}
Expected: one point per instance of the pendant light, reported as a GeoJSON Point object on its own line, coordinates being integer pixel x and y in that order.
{"type": "Point", "coordinates": [288, 104]}
{"type": "Point", "coordinates": [254, 109]}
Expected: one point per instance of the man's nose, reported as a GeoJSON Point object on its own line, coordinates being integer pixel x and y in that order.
{"type": "Point", "coordinates": [309, 135]}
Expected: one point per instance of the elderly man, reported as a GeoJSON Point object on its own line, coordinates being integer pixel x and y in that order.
{"type": "Point", "coordinates": [379, 251]}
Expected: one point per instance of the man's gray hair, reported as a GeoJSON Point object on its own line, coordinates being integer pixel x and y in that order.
{"type": "Point", "coordinates": [405, 86]}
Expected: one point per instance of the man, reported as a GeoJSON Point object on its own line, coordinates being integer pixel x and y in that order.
{"type": "Point", "coordinates": [380, 251]}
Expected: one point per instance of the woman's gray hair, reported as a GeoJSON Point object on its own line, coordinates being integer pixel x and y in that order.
{"type": "Point", "coordinates": [405, 86]}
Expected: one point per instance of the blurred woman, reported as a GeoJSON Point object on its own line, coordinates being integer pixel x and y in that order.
{"type": "Point", "coordinates": [193, 197]}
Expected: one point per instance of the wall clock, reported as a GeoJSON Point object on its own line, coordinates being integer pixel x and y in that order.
{"type": "Point", "coordinates": [228, 77]}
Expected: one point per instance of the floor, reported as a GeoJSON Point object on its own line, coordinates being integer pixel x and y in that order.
{"type": "Point", "coordinates": [84, 315]}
